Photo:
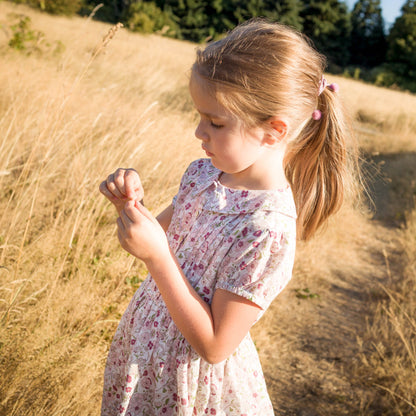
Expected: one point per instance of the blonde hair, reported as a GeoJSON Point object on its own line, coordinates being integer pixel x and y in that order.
{"type": "Point", "coordinates": [262, 69]}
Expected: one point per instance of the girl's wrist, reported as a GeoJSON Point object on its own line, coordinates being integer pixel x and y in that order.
{"type": "Point", "coordinates": [160, 261]}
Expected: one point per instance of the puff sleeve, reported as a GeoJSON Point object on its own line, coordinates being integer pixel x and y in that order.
{"type": "Point", "coordinates": [258, 264]}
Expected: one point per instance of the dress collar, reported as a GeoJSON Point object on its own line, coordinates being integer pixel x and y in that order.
{"type": "Point", "coordinates": [222, 199]}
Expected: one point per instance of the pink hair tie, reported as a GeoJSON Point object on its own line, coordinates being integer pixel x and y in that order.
{"type": "Point", "coordinates": [316, 115]}
{"type": "Point", "coordinates": [323, 84]}
{"type": "Point", "coordinates": [334, 87]}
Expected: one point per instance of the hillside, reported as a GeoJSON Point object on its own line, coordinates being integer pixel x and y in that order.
{"type": "Point", "coordinates": [76, 103]}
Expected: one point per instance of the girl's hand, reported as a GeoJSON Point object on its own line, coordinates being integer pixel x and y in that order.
{"type": "Point", "coordinates": [140, 233]}
{"type": "Point", "coordinates": [121, 186]}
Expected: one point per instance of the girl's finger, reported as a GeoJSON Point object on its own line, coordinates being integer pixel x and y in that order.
{"type": "Point", "coordinates": [120, 225]}
{"type": "Point", "coordinates": [125, 218]}
{"type": "Point", "coordinates": [119, 180]}
{"type": "Point", "coordinates": [111, 186]}
{"type": "Point", "coordinates": [103, 189]}
{"type": "Point", "coordinates": [106, 192]}
{"type": "Point", "coordinates": [133, 185]}
{"type": "Point", "coordinates": [144, 211]}
{"type": "Point", "coordinates": [120, 236]}
{"type": "Point", "coordinates": [133, 214]}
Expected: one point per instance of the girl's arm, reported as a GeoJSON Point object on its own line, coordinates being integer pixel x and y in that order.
{"type": "Point", "coordinates": [215, 330]}
{"type": "Point", "coordinates": [165, 217]}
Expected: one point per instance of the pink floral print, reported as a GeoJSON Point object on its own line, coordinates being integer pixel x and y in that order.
{"type": "Point", "coordinates": [240, 241]}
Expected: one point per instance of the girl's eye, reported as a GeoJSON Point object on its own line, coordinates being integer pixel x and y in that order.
{"type": "Point", "coordinates": [216, 126]}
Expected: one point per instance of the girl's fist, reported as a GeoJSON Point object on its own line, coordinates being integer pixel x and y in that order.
{"type": "Point", "coordinates": [121, 186]}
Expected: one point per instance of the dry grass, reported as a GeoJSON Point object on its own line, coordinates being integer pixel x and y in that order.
{"type": "Point", "coordinates": [386, 119]}
{"type": "Point", "coordinates": [389, 348]}
{"type": "Point", "coordinates": [66, 122]}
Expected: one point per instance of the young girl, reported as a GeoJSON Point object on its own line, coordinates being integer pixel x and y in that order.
{"type": "Point", "coordinates": [220, 253]}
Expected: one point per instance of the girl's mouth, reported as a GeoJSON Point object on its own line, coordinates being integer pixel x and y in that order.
{"type": "Point", "coordinates": [209, 154]}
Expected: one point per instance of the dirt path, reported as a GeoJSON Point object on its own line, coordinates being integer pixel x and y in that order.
{"type": "Point", "coordinates": [310, 347]}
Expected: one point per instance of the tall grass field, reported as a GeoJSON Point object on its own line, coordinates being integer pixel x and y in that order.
{"type": "Point", "coordinates": [78, 99]}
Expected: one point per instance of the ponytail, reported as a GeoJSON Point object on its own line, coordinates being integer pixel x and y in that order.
{"type": "Point", "coordinates": [320, 165]}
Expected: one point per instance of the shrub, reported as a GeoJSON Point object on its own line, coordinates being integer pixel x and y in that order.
{"type": "Point", "coordinates": [354, 72]}
{"type": "Point", "coordinates": [146, 17]}
{"type": "Point", "coordinates": [28, 40]}
{"type": "Point", "coordinates": [24, 38]}
{"type": "Point", "coordinates": [392, 75]}
{"type": "Point", "coordinates": [67, 7]}
{"type": "Point", "coordinates": [384, 77]}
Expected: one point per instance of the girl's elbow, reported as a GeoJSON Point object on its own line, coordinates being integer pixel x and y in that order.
{"type": "Point", "coordinates": [215, 356]}
{"type": "Point", "coordinates": [214, 359]}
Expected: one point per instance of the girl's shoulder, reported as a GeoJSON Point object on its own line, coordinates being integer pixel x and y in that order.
{"type": "Point", "coordinates": [201, 170]}
{"type": "Point", "coordinates": [253, 205]}
{"type": "Point", "coordinates": [198, 176]}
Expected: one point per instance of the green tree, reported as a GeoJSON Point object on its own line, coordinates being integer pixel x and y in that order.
{"type": "Point", "coordinates": [191, 16]}
{"type": "Point", "coordinates": [368, 40]}
{"type": "Point", "coordinates": [288, 12]}
{"type": "Point", "coordinates": [284, 11]}
{"type": "Point", "coordinates": [202, 19]}
{"type": "Point", "coordinates": [146, 17]}
{"type": "Point", "coordinates": [327, 23]}
{"type": "Point", "coordinates": [402, 42]}
{"type": "Point", "coordinates": [195, 20]}
{"type": "Point", "coordinates": [112, 10]}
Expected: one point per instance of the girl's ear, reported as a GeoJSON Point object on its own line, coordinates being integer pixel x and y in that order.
{"type": "Point", "coordinates": [277, 131]}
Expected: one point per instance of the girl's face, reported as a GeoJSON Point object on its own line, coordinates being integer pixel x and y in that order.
{"type": "Point", "coordinates": [231, 146]}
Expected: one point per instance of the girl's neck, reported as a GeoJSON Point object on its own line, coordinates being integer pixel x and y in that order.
{"type": "Point", "coordinates": [257, 177]}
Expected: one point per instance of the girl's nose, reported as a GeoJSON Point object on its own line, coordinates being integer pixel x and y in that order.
{"type": "Point", "coordinates": [200, 133]}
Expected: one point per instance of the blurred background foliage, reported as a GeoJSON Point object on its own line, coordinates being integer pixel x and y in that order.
{"type": "Point", "coordinates": [357, 43]}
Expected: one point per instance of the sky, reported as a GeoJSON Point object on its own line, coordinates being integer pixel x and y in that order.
{"type": "Point", "coordinates": [390, 8]}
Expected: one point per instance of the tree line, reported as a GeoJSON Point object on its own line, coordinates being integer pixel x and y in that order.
{"type": "Point", "coordinates": [356, 43]}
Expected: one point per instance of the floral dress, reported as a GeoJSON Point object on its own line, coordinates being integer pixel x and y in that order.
{"type": "Point", "coordinates": [237, 240]}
